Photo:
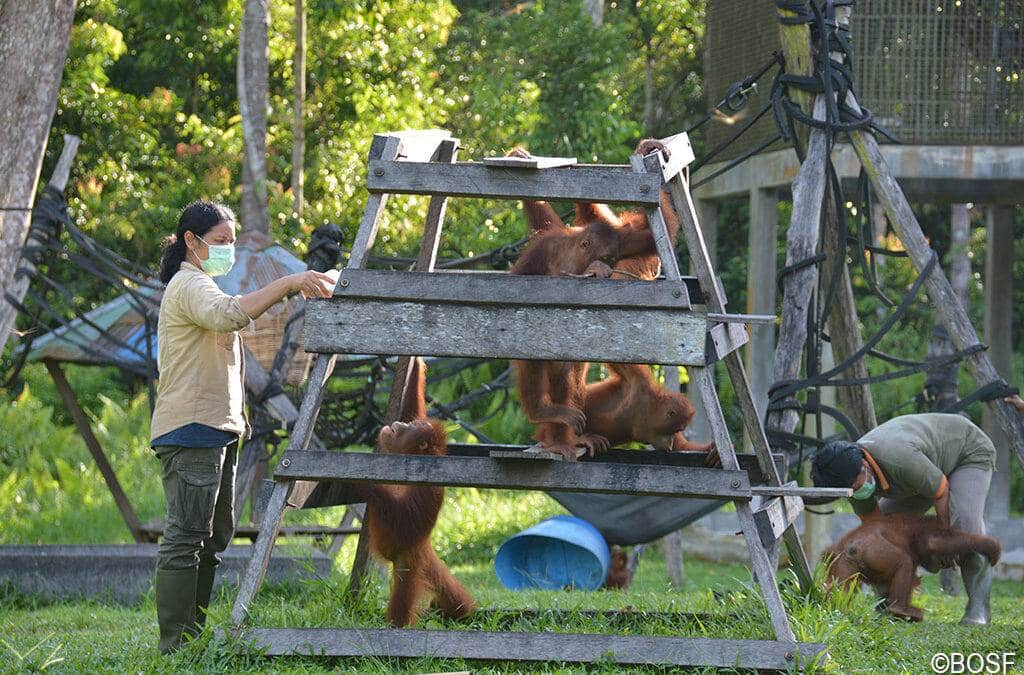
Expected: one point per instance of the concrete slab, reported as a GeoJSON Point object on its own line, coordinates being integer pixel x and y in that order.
{"type": "Point", "coordinates": [124, 573]}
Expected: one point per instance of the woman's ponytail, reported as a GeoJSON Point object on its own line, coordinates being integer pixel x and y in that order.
{"type": "Point", "coordinates": [198, 218]}
{"type": "Point", "coordinates": [173, 256]}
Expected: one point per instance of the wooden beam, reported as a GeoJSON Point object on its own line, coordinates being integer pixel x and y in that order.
{"type": "Point", "coordinates": [501, 288]}
{"type": "Point", "coordinates": [131, 519]}
{"type": "Point", "coordinates": [605, 183]}
{"type": "Point", "coordinates": [555, 647]}
{"type": "Point", "coordinates": [954, 316]}
{"type": "Point", "coordinates": [775, 516]}
{"type": "Point", "coordinates": [370, 467]}
{"type": "Point", "coordinates": [626, 335]}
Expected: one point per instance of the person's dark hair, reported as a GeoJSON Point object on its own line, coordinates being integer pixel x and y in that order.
{"type": "Point", "coordinates": [199, 217]}
{"type": "Point", "coordinates": [837, 464]}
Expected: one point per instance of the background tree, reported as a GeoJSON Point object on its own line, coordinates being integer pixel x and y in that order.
{"type": "Point", "coordinates": [30, 69]}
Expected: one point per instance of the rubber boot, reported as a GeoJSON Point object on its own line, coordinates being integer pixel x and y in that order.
{"type": "Point", "coordinates": [977, 574]}
{"type": "Point", "coordinates": [949, 580]}
{"type": "Point", "coordinates": [175, 606]}
{"type": "Point", "coordinates": [204, 589]}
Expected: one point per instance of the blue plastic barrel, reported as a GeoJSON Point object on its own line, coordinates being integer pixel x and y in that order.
{"type": "Point", "coordinates": [560, 552]}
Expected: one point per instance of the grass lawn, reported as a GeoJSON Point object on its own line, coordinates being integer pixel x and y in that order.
{"type": "Point", "coordinates": [94, 637]}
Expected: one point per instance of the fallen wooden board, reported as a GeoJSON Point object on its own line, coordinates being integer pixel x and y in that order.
{"type": "Point", "coordinates": [560, 647]}
{"type": "Point", "coordinates": [532, 162]}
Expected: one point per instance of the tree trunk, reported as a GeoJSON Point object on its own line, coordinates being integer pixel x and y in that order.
{"type": "Point", "coordinates": [34, 38]}
{"type": "Point", "coordinates": [253, 72]}
{"type": "Point", "coordinates": [298, 126]}
{"type": "Point", "coordinates": [595, 8]}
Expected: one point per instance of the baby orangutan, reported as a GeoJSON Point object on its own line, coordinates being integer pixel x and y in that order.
{"type": "Point", "coordinates": [885, 551]}
{"type": "Point", "coordinates": [400, 518]}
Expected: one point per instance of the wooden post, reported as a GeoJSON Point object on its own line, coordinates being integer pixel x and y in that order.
{"type": "Point", "coordinates": [998, 336]}
{"type": "Point", "coordinates": [796, 47]}
{"type": "Point", "coordinates": [707, 211]}
{"type": "Point", "coordinates": [844, 324]}
{"type": "Point", "coordinates": [96, 450]}
{"type": "Point", "coordinates": [763, 240]}
{"type": "Point", "coordinates": [802, 244]}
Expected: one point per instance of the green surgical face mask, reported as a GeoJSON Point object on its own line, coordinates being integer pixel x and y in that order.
{"type": "Point", "coordinates": [865, 490]}
{"type": "Point", "coordinates": [220, 260]}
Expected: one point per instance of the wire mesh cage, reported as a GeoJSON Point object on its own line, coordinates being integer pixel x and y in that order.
{"type": "Point", "coordinates": [944, 72]}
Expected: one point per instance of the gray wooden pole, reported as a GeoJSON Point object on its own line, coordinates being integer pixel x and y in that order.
{"type": "Point", "coordinates": [763, 240]}
{"type": "Point", "coordinates": [707, 212]}
{"type": "Point", "coordinates": [999, 337]}
{"type": "Point", "coordinates": [844, 325]}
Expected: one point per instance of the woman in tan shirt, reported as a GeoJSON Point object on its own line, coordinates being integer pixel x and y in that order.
{"type": "Point", "coordinates": [198, 417]}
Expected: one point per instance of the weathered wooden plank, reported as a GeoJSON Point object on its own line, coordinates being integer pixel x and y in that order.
{"type": "Point", "coordinates": [760, 563]}
{"type": "Point", "coordinates": [775, 516]}
{"type": "Point", "coordinates": [723, 339]}
{"type": "Point", "coordinates": [420, 145]}
{"type": "Point", "coordinates": [680, 155]}
{"type": "Point", "coordinates": [844, 327]}
{"type": "Point", "coordinates": [500, 288]}
{"type": "Point", "coordinates": [562, 647]}
{"type": "Point", "coordinates": [382, 148]}
{"type": "Point", "coordinates": [261, 551]}
{"type": "Point", "coordinates": [613, 184]}
{"type": "Point", "coordinates": [790, 490]}
{"type": "Point", "coordinates": [651, 165]}
{"type": "Point", "coordinates": [747, 319]}
{"type": "Point", "coordinates": [531, 162]}
{"type": "Point", "coordinates": [802, 243]}
{"type": "Point", "coordinates": [364, 467]}
{"type": "Point", "coordinates": [359, 326]}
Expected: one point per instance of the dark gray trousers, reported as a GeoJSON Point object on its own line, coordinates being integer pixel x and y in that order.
{"type": "Point", "coordinates": [199, 485]}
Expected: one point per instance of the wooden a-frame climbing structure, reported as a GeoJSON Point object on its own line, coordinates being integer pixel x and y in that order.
{"type": "Point", "coordinates": [675, 321]}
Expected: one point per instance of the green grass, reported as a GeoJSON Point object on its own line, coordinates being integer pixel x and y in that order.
{"type": "Point", "coordinates": [52, 493]}
{"type": "Point", "coordinates": [98, 638]}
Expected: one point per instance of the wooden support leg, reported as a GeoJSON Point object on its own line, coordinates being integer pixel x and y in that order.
{"type": "Point", "coordinates": [131, 519]}
{"type": "Point", "coordinates": [760, 561]}
{"type": "Point", "coordinates": [954, 316]}
{"type": "Point", "coordinates": [682, 202]}
{"type": "Point", "coordinates": [261, 550]}
{"type": "Point", "coordinates": [301, 436]}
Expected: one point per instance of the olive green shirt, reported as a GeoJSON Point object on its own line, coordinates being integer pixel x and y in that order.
{"type": "Point", "coordinates": [916, 453]}
{"type": "Point", "coordinates": [199, 356]}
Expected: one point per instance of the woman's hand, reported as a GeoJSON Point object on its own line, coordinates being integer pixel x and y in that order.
{"type": "Point", "coordinates": [313, 284]}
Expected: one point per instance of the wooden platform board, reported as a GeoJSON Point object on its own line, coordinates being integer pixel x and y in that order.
{"type": "Point", "coordinates": [536, 647]}
{"type": "Point", "coordinates": [484, 472]}
{"type": "Point", "coordinates": [532, 162]}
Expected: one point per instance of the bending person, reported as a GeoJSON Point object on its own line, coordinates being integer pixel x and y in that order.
{"type": "Point", "coordinates": [912, 463]}
{"type": "Point", "coordinates": [198, 417]}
